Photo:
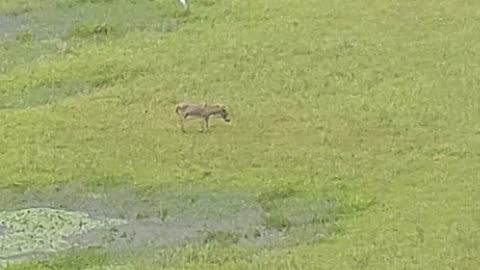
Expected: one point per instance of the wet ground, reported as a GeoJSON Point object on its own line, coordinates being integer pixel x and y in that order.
{"type": "Point", "coordinates": [60, 28]}
{"type": "Point", "coordinates": [40, 221]}
{"type": "Point", "coordinates": [10, 23]}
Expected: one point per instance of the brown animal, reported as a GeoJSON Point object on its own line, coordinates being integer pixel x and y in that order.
{"type": "Point", "coordinates": [200, 110]}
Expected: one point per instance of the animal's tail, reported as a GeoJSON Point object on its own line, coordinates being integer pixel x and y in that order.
{"type": "Point", "coordinates": [178, 107]}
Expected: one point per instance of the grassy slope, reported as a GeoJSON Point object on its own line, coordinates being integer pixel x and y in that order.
{"type": "Point", "coordinates": [381, 99]}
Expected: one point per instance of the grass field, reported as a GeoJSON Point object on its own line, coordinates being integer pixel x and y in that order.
{"type": "Point", "coordinates": [363, 115]}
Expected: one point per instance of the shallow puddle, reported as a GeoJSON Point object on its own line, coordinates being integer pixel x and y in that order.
{"type": "Point", "coordinates": [10, 23]}
{"type": "Point", "coordinates": [36, 222]}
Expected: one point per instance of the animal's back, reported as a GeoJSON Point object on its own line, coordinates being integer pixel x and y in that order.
{"type": "Point", "coordinates": [189, 107]}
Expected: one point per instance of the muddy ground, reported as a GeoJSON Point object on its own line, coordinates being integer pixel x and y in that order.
{"type": "Point", "coordinates": [39, 221]}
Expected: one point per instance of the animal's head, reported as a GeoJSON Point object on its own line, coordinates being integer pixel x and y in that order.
{"type": "Point", "coordinates": [223, 112]}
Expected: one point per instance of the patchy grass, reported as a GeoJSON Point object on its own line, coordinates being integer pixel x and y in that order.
{"type": "Point", "coordinates": [221, 237]}
{"type": "Point", "coordinates": [371, 109]}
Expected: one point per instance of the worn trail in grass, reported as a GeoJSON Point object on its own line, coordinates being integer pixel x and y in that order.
{"type": "Point", "coordinates": [374, 107]}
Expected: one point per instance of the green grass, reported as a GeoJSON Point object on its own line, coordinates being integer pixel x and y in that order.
{"type": "Point", "coordinates": [374, 104]}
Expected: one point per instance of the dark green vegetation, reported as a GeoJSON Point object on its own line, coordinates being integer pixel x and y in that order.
{"type": "Point", "coordinates": [357, 123]}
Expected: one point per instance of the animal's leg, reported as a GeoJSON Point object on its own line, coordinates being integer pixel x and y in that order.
{"type": "Point", "coordinates": [181, 123]}
{"type": "Point", "coordinates": [202, 125]}
{"type": "Point", "coordinates": [206, 124]}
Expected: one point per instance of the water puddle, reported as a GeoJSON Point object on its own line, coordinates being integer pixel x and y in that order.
{"type": "Point", "coordinates": [37, 222]}
{"type": "Point", "coordinates": [10, 23]}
